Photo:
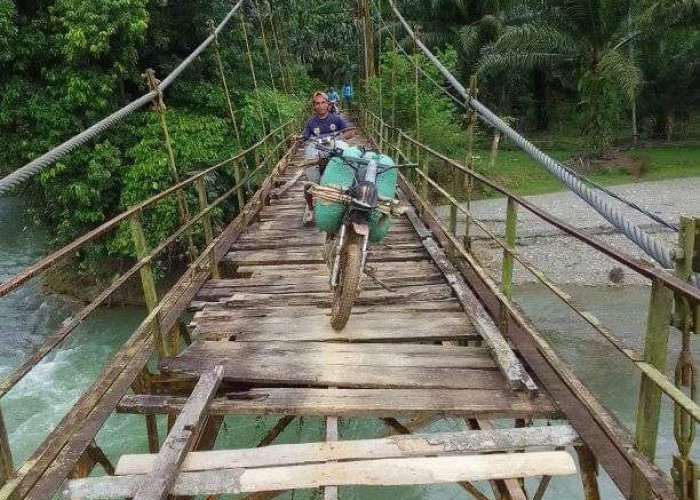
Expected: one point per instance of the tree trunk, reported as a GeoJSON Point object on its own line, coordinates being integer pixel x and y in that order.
{"type": "Point", "coordinates": [539, 82]}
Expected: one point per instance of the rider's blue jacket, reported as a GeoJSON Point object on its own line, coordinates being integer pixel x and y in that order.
{"type": "Point", "coordinates": [320, 126]}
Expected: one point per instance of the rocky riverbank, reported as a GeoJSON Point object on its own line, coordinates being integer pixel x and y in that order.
{"type": "Point", "coordinates": [565, 259]}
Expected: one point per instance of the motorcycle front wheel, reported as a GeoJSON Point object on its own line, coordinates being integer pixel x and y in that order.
{"type": "Point", "coordinates": [348, 286]}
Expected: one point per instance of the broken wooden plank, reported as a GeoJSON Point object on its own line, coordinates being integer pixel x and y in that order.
{"type": "Point", "coordinates": [312, 370]}
{"type": "Point", "coordinates": [471, 403]}
{"type": "Point", "coordinates": [325, 299]}
{"type": "Point", "coordinates": [341, 354]}
{"type": "Point", "coordinates": [314, 255]}
{"type": "Point", "coordinates": [277, 193]}
{"type": "Point", "coordinates": [166, 466]}
{"type": "Point", "coordinates": [386, 472]}
{"type": "Point", "coordinates": [510, 365]}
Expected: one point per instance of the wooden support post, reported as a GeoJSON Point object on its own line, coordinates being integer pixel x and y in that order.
{"type": "Point", "coordinates": [206, 225]}
{"type": "Point", "coordinates": [148, 283]}
{"type": "Point", "coordinates": [503, 488]}
{"type": "Point", "coordinates": [140, 386]}
{"type": "Point", "coordinates": [655, 349]}
{"type": "Point", "coordinates": [159, 107]}
{"type": "Point", "coordinates": [6, 465]}
{"type": "Point", "coordinates": [331, 492]}
{"type": "Point", "coordinates": [589, 472]}
{"type": "Point", "coordinates": [494, 149]}
{"type": "Point", "coordinates": [542, 488]}
{"type": "Point", "coordinates": [101, 458]}
{"type": "Point", "coordinates": [469, 160]}
{"type": "Point", "coordinates": [269, 62]}
{"type": "Point", "coordinates": [255, 83]}
{"type": "Point", "coordinates": [399, 141]}
{"type": "Point", "coordinates": [158, 483]}
{"type": "Point", "coordinates": [507, 263]}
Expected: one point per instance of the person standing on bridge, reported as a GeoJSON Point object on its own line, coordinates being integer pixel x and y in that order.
{"type": "Point", "coordinates": [333, 99]}
{"type": "Point", "coordinates": [347, 94]}
{"type": "Point", "coordinates": [321, 123]}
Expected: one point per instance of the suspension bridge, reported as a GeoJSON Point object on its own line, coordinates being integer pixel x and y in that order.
{"type": "Point", "coordinates": [245, 330]}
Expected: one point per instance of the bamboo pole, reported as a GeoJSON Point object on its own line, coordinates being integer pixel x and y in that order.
{"type": "Point", "coordinates": [469, 163]}
{"type": "Point", "coordinates": [269, 62]}
{"type": "Point", "coordinates": [150, 294]}
{"type": "Point", "coordinates": [283, 73]}
{"type": "Point", "coordinates": [159, 107]}
{"type": "Point", "coordinates": [648, 409]}
{"type": "Point", "coordinates": [206, 226]}
{"type": "Point", "coordinates": [232, 116]}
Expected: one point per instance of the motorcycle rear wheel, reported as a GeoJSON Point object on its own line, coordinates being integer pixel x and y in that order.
{"type": "Point", "coordinates": [348, 281]}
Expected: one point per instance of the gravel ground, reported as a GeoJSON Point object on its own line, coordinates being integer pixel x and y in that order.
{"type": "Point", "coordinates": [568, 261]}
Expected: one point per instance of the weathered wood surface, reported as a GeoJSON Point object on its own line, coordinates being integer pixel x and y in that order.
{"type": "Point", "coordinates": [402, 471]}
{"type": "Point", "coordinates": [166, 465]}
{"type": "Point", "coordinates": [325, 364]}
{"type": "Point", "coordinates": [510, 365]}
{"type": "Point", "coordinates": [400, 326]}
{"type": "Point", "coordinates": [332, 433]}
{"type": "Point", "coordinates": [412, 445]}
{"type": "Point", "coordinates": [468, 403]}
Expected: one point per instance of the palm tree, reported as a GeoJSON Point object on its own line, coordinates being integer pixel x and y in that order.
{"type": "Point", "coordinates": [586, 38]}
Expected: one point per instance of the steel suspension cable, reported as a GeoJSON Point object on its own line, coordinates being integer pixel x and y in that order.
{"type": "Point", "coordinates": [642, 239]}
{"type": "Point", "coordinates": [582, 177]}
{"type": "Point", "coordinates": [35, 166]}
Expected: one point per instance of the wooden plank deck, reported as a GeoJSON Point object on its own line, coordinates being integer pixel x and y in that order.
{"type": "Point", "coordinates": [418, 345]}
{"type": "Point", "coordinates": [275, 308]}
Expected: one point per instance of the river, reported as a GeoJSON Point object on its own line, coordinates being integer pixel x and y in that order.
{"type": "Point", "coordinates": [41, 399]}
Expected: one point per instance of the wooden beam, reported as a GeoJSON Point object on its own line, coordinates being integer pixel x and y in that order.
{"type": "Point", "coordinates": [381, 472]}
{"type": "Point", "coordinates": [277, 193]}
{"type": "Point", "coordinates": [280, 426]}
{"type": "Point", "coordinates": [330, 492]}
{"type": "Point", "coordinates": [319, 402]}
{"type": "Point", "coordinates": [509, 488]}
{"type": "Point", "coordinates": [588, 466]}
{"type": "Point", "coordinates": [510, 366]}
{"type": "Point", "coordinates": [159, 481]}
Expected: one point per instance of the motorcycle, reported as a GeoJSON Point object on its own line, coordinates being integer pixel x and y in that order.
{"type": "Point", "coordinates": [353, 203]}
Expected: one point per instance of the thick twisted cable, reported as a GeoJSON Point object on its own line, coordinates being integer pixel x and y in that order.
{"type": "Point", "coordinates": [582, 177]}
{"type": "Point", "coordinates": [651, 246]}
{"type": "Point", "coordinates": [47, 159]}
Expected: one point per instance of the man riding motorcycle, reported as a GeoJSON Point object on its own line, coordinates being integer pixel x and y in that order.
{"type": "Point", "coordinates": [321, 123]}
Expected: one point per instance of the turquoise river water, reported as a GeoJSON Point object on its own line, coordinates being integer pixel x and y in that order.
{"type": "Point", "coordinates": [41, 399]}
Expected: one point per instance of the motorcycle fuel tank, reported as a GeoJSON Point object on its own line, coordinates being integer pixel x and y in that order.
{"type": "Point", "coordinates": [338, 175]}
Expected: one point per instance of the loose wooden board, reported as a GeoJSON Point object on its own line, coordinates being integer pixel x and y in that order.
{"type": "Point", "coordinates": [330, 369]}
{"type": "Point", "coordinates": [400, 326]}
{"type": "Point", "coordinates": [314, 402]}
{"type": "Point", "coordinates": [402, 471]}
{"type": "Point", "coordinates": [438, 444]}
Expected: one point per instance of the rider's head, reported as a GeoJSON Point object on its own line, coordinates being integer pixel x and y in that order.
{"type": "Point", "coordinates": [319, 101]}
